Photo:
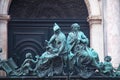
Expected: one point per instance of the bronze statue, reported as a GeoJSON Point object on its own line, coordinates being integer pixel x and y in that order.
{"type": "Point", "coordinates": [26, 67]}
{"type": "Point", "coordinates": [74, 38]}
{"type": "Point", "coordinates": [56, 49]}
{"type": "Point", "coordinates": [58, 41]}
{"type": "Point", "coordinates": [72, 54]}
{"type": "Point", "coordinates": [79, 52]}
{"type": "Point", "coordinates": [44, 65]}
{"type": "Point", "coordinates": [107, 68]}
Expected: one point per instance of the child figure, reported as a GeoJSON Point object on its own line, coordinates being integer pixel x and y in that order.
{"type": "Point", "coordinates": [108, 68]}
{"type": "Point", "coordinates": [26, 67]}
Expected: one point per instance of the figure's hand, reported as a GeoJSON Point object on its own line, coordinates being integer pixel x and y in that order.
{"type": "Point", "coordinates": [57, 54]}
{"type": "Point", "coordinates": [55, 50]}
{"type": "Point", "coordinates": [46, 41]}
{"type": "Point", "coordinates": [37, 56]}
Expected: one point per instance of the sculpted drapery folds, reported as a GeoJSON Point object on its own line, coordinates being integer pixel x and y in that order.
{"type": "Point", "coordinates": [79, 52]}
{"type": "Point", "coordinates": [56, 48]}
{"type": "Point", "coordinates": [73, 52]}
{"type": "Point", "coordinates": [71, 55]}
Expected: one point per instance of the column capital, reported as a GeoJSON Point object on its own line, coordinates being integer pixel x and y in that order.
{"type": "Point", "coordinates": [4, 17]}
{"type": "Point", "coordinates": [94, 19]}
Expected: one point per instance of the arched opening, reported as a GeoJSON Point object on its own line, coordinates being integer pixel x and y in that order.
{"type": "Point", "coordinates": [32, 20]}
{"type": "Point", "coordinates": [45, 9]}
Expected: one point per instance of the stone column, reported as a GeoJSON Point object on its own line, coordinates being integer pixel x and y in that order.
{"type": "Point", "coordinates": [3, 35]}
{"type": "Point", "coordinates": [112, 24]}
{"type": "Point", "coordinates": [96, 35]}
{"type": "Point", "coordinates": [96, 28]}
{"type": "Point", "coordinates": [3, 38]}
{"type": "Point", "coordinates": [4, 4]}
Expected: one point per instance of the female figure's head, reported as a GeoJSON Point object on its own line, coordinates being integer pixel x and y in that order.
{"type": "Point", "coordinates": [75, 27]}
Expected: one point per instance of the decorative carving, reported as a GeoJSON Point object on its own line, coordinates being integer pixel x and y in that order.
{"type": "Point", "coordinates": [94, 20]}
{"type": "Point", "coordinates": [107, 68]}
{"type": "Point", "coordinates": [30, 35]}
{"type": "Point", "coordinates": [71, 54]}
{"type": "Point", "coordinates": [26, 67]}
{"type": "Point", "coordinates": [25, 46]}
{"type": "Point", "coordinates": [85, 58]}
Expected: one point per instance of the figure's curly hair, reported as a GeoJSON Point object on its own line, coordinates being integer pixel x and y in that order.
{"type": "Point", "coordinates": [108, 58]}
{"type": "Point", "coordinates": [28, 55]}
{"type": "Point", "coordinates": [75, 25]}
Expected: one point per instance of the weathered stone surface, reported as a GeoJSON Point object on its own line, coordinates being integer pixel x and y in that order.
{"type": "Point", "coordinates": [112, 24]}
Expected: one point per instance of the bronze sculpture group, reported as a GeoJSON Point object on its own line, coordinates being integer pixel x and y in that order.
{"type": "Point", "coordinates": [66, 56]}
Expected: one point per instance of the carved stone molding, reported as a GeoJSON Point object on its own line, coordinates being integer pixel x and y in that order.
{"type": "Point", "coordinates": [4, 17]}
{"type": "Point", "coordinates": [93, 7]}
{"type": "Point", "coordinates": [88, 6]}
{"type": "Point", "coordinates": [94, 19]}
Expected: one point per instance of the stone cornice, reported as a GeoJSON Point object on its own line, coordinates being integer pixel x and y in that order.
{"type": "Point", "coordinates": [4, 17]}
{"type": "Point", "coordinates": [94, 19]}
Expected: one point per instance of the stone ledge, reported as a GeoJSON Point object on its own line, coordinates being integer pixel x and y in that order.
{"type": "Point", "coordinates": [2, 73]}
{"type": "Point", "coordinates": [4, 17]}
{"type": "Point", "coordinates": [94, 19]}
{"type": "Point", "coordinates": [59, 78]}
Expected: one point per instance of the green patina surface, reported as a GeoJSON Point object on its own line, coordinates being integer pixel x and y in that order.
{"type": "Point", "coordinates": [64, 56]}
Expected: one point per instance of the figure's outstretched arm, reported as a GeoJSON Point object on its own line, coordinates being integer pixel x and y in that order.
{"type": "Point", "coordinates": [51, 39]}
{"type": "Point", "coordinates": [24, 62]}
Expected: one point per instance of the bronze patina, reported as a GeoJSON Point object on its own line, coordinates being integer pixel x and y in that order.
{"type": "Point", "coordinates": [64, 56]}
